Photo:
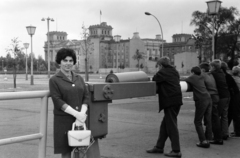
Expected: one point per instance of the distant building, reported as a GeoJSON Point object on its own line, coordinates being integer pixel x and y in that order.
{"type": "Point", "coordinates": [180, 43]}
{"type": "Point", "coordinates": [56, 41]}
{"type": "Point", "coordinates": [109, 52]}
{"type": "Point", "coordinates": [185, 61]}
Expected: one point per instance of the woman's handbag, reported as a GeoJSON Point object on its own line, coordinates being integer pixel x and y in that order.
{"type": "Point", "coordinates": [77, 138]}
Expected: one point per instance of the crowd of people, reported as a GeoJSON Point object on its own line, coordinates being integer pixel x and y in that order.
{"type": "Point", "coordinates": [216, 93]}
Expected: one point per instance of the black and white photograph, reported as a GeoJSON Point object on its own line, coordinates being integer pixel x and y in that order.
{"type": "Point", "coordinates": [119, 78]}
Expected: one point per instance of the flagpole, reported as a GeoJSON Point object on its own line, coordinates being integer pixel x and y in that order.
{"type": "Point", "coordinates": [100, 16]}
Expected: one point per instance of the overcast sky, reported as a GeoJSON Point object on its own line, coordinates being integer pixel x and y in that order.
{"type": "Point", "coordinates": [125, 16]}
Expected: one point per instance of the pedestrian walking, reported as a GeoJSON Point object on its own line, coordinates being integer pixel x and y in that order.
{"type": "Point", "coordinates": [203, 105]}
{"type": "Point", "coordinates": [170, 100]}
{"type": "Point", "coordinates": [224, 95]}
{"type": "Point", "coordinates": [69, 95]}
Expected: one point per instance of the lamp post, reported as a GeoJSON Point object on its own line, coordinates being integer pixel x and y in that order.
{"type": "Point", "coordinates": [2, 65]}
{"type": "Point", "coordinates": [117, 58]}
{"type": "Point", "coordinates": [213, 9]}
{"type": "Point", "coordinates": [37, 65]}
{"type": "Point", "coordinates": [48, 19]}
{"type": "Point", "coordinates": [117, 39]}
{"type": "Point", "coordinates": [26, 45]}
{"type": "Point", "coordinates": [147, 13]}
{"type": "Point", "coordinates": [86, 59]}
{"type": "Point", "coordinates": [31, 31]}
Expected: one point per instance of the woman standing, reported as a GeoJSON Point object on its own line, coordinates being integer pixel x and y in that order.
{"type": "Point", "coordinates": [69, 95]}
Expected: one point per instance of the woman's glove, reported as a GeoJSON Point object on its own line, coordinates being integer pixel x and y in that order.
{"type": "Point", "coordinates": [84, 108]}
{"type": "Point", "coordinates": [80, 116]}
{"type": "Point", "coordinates": [78, 123]}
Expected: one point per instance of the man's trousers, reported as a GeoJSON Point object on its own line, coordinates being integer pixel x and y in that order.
{"type": "Point", "coordinates": [169, 128]}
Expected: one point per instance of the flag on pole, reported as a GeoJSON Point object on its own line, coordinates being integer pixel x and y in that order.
{"type": "Point", "coordinates": [100, 12]}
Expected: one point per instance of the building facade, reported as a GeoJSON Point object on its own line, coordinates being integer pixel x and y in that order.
{"type": "Point", "coordinates": [105, 51]}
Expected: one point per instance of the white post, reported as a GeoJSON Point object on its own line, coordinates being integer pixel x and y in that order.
{"type": "Point", "coordinates": [48, 48]}
{"type": "Point", "coordinates": [43, 127]}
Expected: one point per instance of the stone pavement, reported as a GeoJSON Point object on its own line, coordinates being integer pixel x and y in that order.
{"type": "Point", "coordinates": [133, 128]}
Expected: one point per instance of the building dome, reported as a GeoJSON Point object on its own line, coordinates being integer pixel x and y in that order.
{"type": "Point", "coordinates": [135, 35]}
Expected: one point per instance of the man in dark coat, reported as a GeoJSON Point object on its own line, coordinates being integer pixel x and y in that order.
{"type": "Point", "coordinates": [224, 96]}
{"type": "Point", "coordinates": [170, 100]}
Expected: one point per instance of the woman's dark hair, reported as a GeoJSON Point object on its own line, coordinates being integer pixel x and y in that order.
{"type": "Point", "coordinates": [196, 70]}
{"type": "Point", "coordinates": [205, 66]}
{"type": "Point", "coordinates": [63, 53]}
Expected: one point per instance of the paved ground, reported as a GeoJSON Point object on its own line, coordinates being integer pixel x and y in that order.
{"type": "Point", "coordinates": [133, 128]}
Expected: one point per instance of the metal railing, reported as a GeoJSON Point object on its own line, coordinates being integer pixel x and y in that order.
{"type": "Point", "coordinates": [42, 135]}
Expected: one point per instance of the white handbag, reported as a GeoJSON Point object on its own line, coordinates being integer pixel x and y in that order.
{"type": "Point", "coordinates": [78, 138]}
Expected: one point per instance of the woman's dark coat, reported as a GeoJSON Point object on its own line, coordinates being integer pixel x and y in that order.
{"type": "Point", "coordinates": [168, 87]}
{"type": "Point", "coordinates": [63, 91]}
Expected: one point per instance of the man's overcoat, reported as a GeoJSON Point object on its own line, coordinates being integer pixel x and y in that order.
{"type": "Point", "coordinates": [168, 87]}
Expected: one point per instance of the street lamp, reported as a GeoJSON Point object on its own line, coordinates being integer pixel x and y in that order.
{"type": "Point", "coordinates": [213, 9]}
{"type": "Point", "coordinates": [2, 65]}
{"type": "Point", "coordinates": [48, 19]}
{"type": "Point", "coordinates": [26, 45]}
{"type": "Point", "coordinates": [147, 13]}
{"type": "Point", "coordinates": [31, 31]}
{"type": "Point", "coordinates": [37, 65]}
{"type": "Point", "coordinates": [117, 39]}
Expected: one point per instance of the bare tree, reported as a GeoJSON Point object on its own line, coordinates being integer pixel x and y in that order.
{"type": "Point", "coordinates": [15, 49]}
{"type": "Point", "coordinates": [87, 47]}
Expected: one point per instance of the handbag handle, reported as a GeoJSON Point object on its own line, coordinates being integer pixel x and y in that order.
{"type": "Point", "coordinates": [74, 124]}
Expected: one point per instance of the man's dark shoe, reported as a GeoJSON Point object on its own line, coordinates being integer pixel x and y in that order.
{"type": "Point", "coordinates": [203, 145]}
{"type": "Point", "coordinates": [217, 142]}
{"type": "Point", "coordinates": [155, 150]}
{"type": "Point", "coordinates": [173, 154]}
{"type": "Point", "coordinates": [232, 133]}
{"type": "Point", "coordinates": [225, 137]}
{"type": "Point", "coordinates": [235, 135]}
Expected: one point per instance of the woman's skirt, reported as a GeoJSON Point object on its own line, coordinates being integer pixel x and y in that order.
{"type": "Point", "coordinates": [62, 124]}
